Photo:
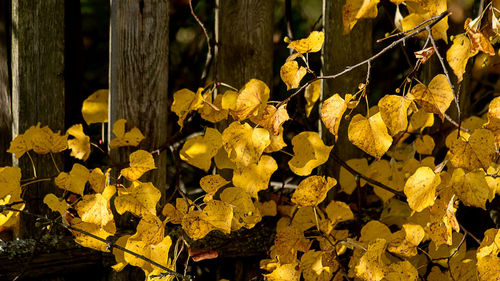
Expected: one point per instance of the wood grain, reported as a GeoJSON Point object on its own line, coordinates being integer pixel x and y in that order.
{"type": "Point", "coordinates": [5, 98]}
{"type": "Point", "coordinates": [37, 87]}
{"type": "Point", "coordinates": [139, 76]}
{"type": "Point", "coordinates": [244, 31]}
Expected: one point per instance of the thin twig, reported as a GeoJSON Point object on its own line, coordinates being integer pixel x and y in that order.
{"type": "Point", "coordinates": [452, 254]}
{"type": "Point", "coordinates": [367, 179]}
{"type": "Point", "coordinates": [209, 44]}
{"type": "Point", "coordinates": [288, 15]}
{"type": "Point", "coordinates": [432, 21]}
{"type": "Point", "coordinates": [448, 118]}
{"type": "Point", "coordinates": [470, 234]}
{"type": "Point", "coordinates": [109, 244]}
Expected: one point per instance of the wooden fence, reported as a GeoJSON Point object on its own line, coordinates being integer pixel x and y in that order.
{"type": "Point", "coordinates": [35, 86]}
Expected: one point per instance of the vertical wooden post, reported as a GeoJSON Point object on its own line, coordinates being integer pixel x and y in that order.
{"type": "Point", "coordinates": [340, 51]}
{"type": "Point", "coordinates": [139, 75]}
{"type": "Point", "coordinates": [5, 97]}
{"type": "Point", "coordinates": [244, 32]}
{"type": "Point", "coordinates": [37, 87]}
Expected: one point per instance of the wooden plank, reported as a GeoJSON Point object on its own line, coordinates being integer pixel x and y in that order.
{"type": "Point", "coordinates": [340, 51]}
{"type": "Point", "coordinates": [37, 87]}
{"type": "Point", "coordinates": [5, 98]}
{"type": "Point", "coordinates": [139, 76]}
{"type": "Point", "coordinates": [244, 31]}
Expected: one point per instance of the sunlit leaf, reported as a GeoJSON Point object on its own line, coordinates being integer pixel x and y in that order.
{"type": "Point", "coordinates": [435, 98]}
{"type": "Point", "coordinates": [244, 144]}
{"type": "Point", "coordinates": [475, 152]}
{"type": "Point", "coordinates": [251, 99]}
{"type": "Point", "coordinates": [394, 112]}
{"type": "Point", "coordinates": [471, 188]}
{"type": "Point", "coordinates": [141, 161]}
{"type": "Point", "coordinates": [292, 74]}
{"type": "Point", "coordinates": [353, 10]}
{"type": "Point", "coordinates": [130, 138]}
{"type": "Point", "coordinates": [458, 55]}
{"type": "Point", "coordinates": [425, 145]}
{"type": "Point", "coordinates": [199, 150]}
{"type": "Point", "coordinates": [420, 188]}
{"type": "Point", "coordinates": [311, 94]}
{"type": "Point", "coordinates": [245, 213]}
{"type": "Point", "coordinates": [210, 184]}
{"type": "Point", "coordinates": [80, 145]}
{"type": "Point", "coordinates": [186, 101]}
{"type": "Point", "coordinates": [311, 44]}
{"type": "Point", "coordinates": [272, 118]}
{"type": "Point", "coordinates": [312, 190]}
{"type": "Point", "coordinates": [140, 199]}
{"type": "Point", "coordinates": [95, 107]}
{"type": "Point", "coordinates": [332, 110]}
{"type": "Point", "coordinates": [370, 135]}
{"type": "Point", "coordinates": [309, 152]}
{"type": "Point", "coordinates": [255, 177]}
{"type": "Point", "coordinates": [74, 181]}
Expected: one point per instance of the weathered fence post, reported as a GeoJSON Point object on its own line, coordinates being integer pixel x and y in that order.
{"type": "Point", "coordinates": [5, 98]}
{"type": "Point", "coordinates": [138, 76]}
{"type": "Point", "coordinates": [340, 51]}
{"type": "Point", "coordinates": [37, 88]}
{"type": "Point", "coordinates": [244, 32]}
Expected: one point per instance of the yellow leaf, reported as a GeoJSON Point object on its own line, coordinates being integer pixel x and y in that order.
{"type": "Point", "coordinates": [210, 184]}
{"type": "Point", "coordinates": [403, 270]}
{"type": "Point", "coordinates": [316, 266]}
{"type": "Point", "coordinates": [251, 100]}
{"type": "Point", "coordinates": [186, 101]}
{"type": "Point", "coordinates": [56, 204]}
{"type": "Point", "coordinates": [291, 74]}
{"type": "Point", "coordinates": [287, 242]}
{"type": "Point", "coordinates": [332, 110]}
{"type": "Point", "coordinates": [488, 261]}
{"type": "Point", "coordinates": [493, 118]}
{"type": "Point", "coordinates": [475, 152]}
{"type": "Point", "coordinates": [157, 252]}
{"type": "Point", "coordinates": [277, 142]}
{"type": "Point", "coordinates": [141, 161]}
{"type": "Point", "coordinates": [353, 10]}
{"type": "Point", "coordinates": [255, 177]}
{"type": "Point", "coordinates": [140, 199]}
{"type": "Point", "coordinates": [194, 226]}
{"type": "Point", "coordinates": [219, 214]}
{"type": "Point", "coordinates": [222, 161]}
{"type": "Point", "coordinates": [80, 145]}
{"type": "Point", "coordinates": [420, 120]}
{"type": "Point", "coordinates": [130, 138]}
{"type": "Point", "coordinates": [20, 145]}
{"type": "Point", "coordinates": [303, 219]}
{"type": "Point", "coordinates": [41, 140]}
{"type": "Point", "coordinates": [97, 180]}
{"type": "Point", "coordinates": [312, 190]}
{"type": "Point", "coordinates": [420, 188]}
{"type": "Point", "coordinates": [87, 241]}
{"type": "Point", "coordinates": [95, 208]}
{"type": "Point", "coordinates": [338, 212]}
{"type": "Point", "coordinates": [458, 55]}
{"type": "Point", "coordinates": [311, 44]}
{"type": "Point", "coordinates": [119, 254]}
{"type": "Point", "coordinates": [405, 241]}
{"type": "Point", "coordinates": [312, 93]}
{"type": "Point", "coordinates": [243, 144]}
{"type": "Point", "coordinates": [425, 145]}
{"type": "Point", "coordinates": [10, 182]}
{"type": "Point", "coordinates": [479, 42]}
{"type": "Point", "coordinates": [383, 172]}
{"type": "Point", "coordinates": [75, 180]}
{"type": "Point", "coordinates": [372, 264]}
{"type": "Point", "coordinates": [435, 98]}
{"type": "Point", "coordinates": [395, 212]}
{"type": "Point", "coordinates": [199, 150]}
{"type": "Point", "coordinates": [211, 113]}
{"type": "Point", "coordinates": [347, 180]}
{"type": "Point", "coordinates": [441, 253]}
{"type": "Point", "coordinates": [373, 230]}
{"type": "Point", "coordinates": [309, 152]}
{"type": "Point", "coordinates": [370, 135]}
{"type": "Point", "coordinates": [394, 112]}
{"type": "Point", "coordinates": [229, 99]}
{"type": "Point", "coordinates": [272, 118]}
{"type": "Point", "coordinates": [284, 272]}
{"type": "Point", "coordinates": [471, 188]}
{"type": "Point", "coordinates": [245, 214]}
{"type": "Point", "coordinates": [268, 208]}
{"type": "Point", "coordinates": [9, 219]}
{"type": "Point", "coordinates": [95, 107]}
{"type": "Point", "coordinates": [438, 30]}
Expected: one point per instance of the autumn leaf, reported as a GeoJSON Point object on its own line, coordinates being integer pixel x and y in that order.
{"type": "Point", "coordinates": [471, 188]}
{"type": "Point", "coordinates": [95, 208]}
{"type": "Point", "coordinates": [370, 135]}
{"type": "Point", "coordinates": [404, 242]}
{"type": "Point", "coordinates": [80, 145]}
{"type": "Point", "coordinates": [272, 118]}
{"type": "Point", "coordinates": [475, 152]}
{"type": "Point", "coordinates": [311, 44]}
{"type": "Point", "coordinates": [488, 261]}
{"type": "Point", "coordinates": [268, 208]}
{"type": "Point", "coordinates": [244, 144]}
{"type": "Point", "coordinates": [332, 110]}
{"type": "Point", "coordinates": [219, 214]}
{"type": "Point", "coordinates": [353, 10]}
{"type": "Point", "coordinates": [284, 272]}
{"type": "Point", "coordinates": [130, 138]}
{"type": "Point", "coordinates": [338, 211]}
{"type": "Point", "coordinates": [251, 100]}
{"type": "Point", "coordinates": [255, 177]}
{"type": "Point", "coordinates": [211, 184]}
{"type": "Point", "coordinates": [97, 180]}
{"type": "Point", "coordinates": [458, 55]}
{"type": "Point", "coordinates": [140, 199]}
{"type": "Point", "coordinates": [245, 214]}
{"type": "Point", "coordinates": [186, 101]}
{"type": "Point", "coordinates": [213, 112]}
{"type": "Point", "coordinates": [425, 145]}
{"type": "Point", "coordinates": [288, 241]}
{"type": "Point", "coordinates": [292, 74]}
{"type": "Point", "coordinates": [312, 94]}
{"type": "Point", "coordinates": [312, 190]}
{"type": "Point", "coordinates": [141, 161]}
{"type": "Point", "coordinates": [74, 181]}
{"type": "Point", "coordinates": [371, 265]}
{"type": "Point", "coordinates": [318, 266]}
{"type": "Point", "coordinates": [493, 118]}
{"type": "Point", "coordinates": [56, 204]}
{"type": "Point", "coordinates": [420, 120]}
{"type": "Point", "coordinates": [394, 112]}
{"type": "Point", "coordinates": [478, 41]}
{"type": "Point", "coordinates": [10, 182]}
{"type": "Point", "coordinates": [420, 188]}
{"type": "Point", "coordinates": [95, 107]}
{"type": "Point", "coordinates": [435, 98]}
{"type": "Point", "coordinates": [277, 142]}
{"type": "Point", "coordinates": [199, 150]}
{"type": "Point", "coordinates": [438, 30]}
{"type": "Point", "coordinates": [309, 152]}
{"type": "Point", "coordinates": [87, 241]}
